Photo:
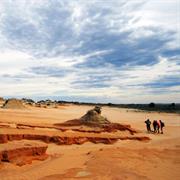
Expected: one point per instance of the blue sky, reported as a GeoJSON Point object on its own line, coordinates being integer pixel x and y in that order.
{"type": "Point", "coordinates": [120, 51]}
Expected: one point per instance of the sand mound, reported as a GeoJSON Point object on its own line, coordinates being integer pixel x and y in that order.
{"type": "Point", "coordinates": [94, 116]}
{"type": "Point", "coordinates": [1, 101]}
{"type": "Point", "coordinates": [14, 104]}
{"type": "Point", "coordinates": [94, 119]}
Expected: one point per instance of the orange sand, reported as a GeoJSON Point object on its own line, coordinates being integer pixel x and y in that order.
{"type": "Point", "coordinates": [156, 159]}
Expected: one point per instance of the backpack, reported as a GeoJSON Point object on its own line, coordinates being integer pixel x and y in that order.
{"type": "Point", "coordinates": [162, 124]}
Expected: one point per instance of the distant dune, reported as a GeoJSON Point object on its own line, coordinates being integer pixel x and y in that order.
{"type": "Point", "coordinates": [14, 104]}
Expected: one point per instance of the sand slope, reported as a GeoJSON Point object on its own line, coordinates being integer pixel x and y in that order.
{"type": "Point", "coordinates": [13, 104]}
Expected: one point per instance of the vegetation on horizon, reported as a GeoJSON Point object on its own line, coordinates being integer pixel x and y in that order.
{"type": "Point", "coordinates": [158, 107]}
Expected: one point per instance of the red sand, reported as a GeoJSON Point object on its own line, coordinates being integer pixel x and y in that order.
{"type": "Point", "coordinates": [155, 159]}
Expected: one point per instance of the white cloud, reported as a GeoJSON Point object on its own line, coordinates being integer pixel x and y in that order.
{"type": "Point", "coordinates": [70, 61]}
{"type": "Point", "coordinates": [13, 62]}
{"type": "Point", "coordinates": [59, 34]}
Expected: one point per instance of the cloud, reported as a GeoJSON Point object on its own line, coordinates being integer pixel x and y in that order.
{"type": "Point", "coordinates": [119, 51]}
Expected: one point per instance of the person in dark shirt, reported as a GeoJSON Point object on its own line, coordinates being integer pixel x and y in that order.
{"type": "Point", "coordinates": [148, 125]}
{"type": "Point", "coordinates": [158, 126]}
{"type": "Point", "coordinates": [155, 124]}
{"type": "Point", "coordinates": [162, 125]}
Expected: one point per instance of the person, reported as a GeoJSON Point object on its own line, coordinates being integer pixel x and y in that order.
{"type": "Point", "coordinates": [155, 126]}
{"type": "Point", "coordinates": [158, 125]}
{"type": "Point", "coordinates": [162, 125]}
{"type": "Point", "coordinates": [148, 125]}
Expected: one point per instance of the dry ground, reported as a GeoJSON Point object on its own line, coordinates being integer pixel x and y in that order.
{"type": "Point", "coordinates": [156, 159]}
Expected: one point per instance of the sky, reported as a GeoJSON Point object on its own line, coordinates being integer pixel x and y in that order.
{"type": "Point", "coordinates": [118, 51]}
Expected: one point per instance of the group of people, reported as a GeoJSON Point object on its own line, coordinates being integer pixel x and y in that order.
{"type": "Point", "coordinates": [158, 126]}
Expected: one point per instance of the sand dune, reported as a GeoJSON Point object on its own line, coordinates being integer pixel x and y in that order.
{"type": "Point", "coordinates": [13, 104]}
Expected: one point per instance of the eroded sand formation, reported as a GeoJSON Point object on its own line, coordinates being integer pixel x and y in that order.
{"type": "Point", "coordinates": [94, 119]}
{"type": "Point", "coordinates": [22, 152]}
{"type": "Point", "coordinates": [2, 101]}
{"type": "Point", "coordinates": [69, 140]}
{"type": "Point", "coordinates": [92, 127]}
{"type": "Point", "coordinates": [13, 104]}
{"type": "Point", "coordinates": [31, 131]}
